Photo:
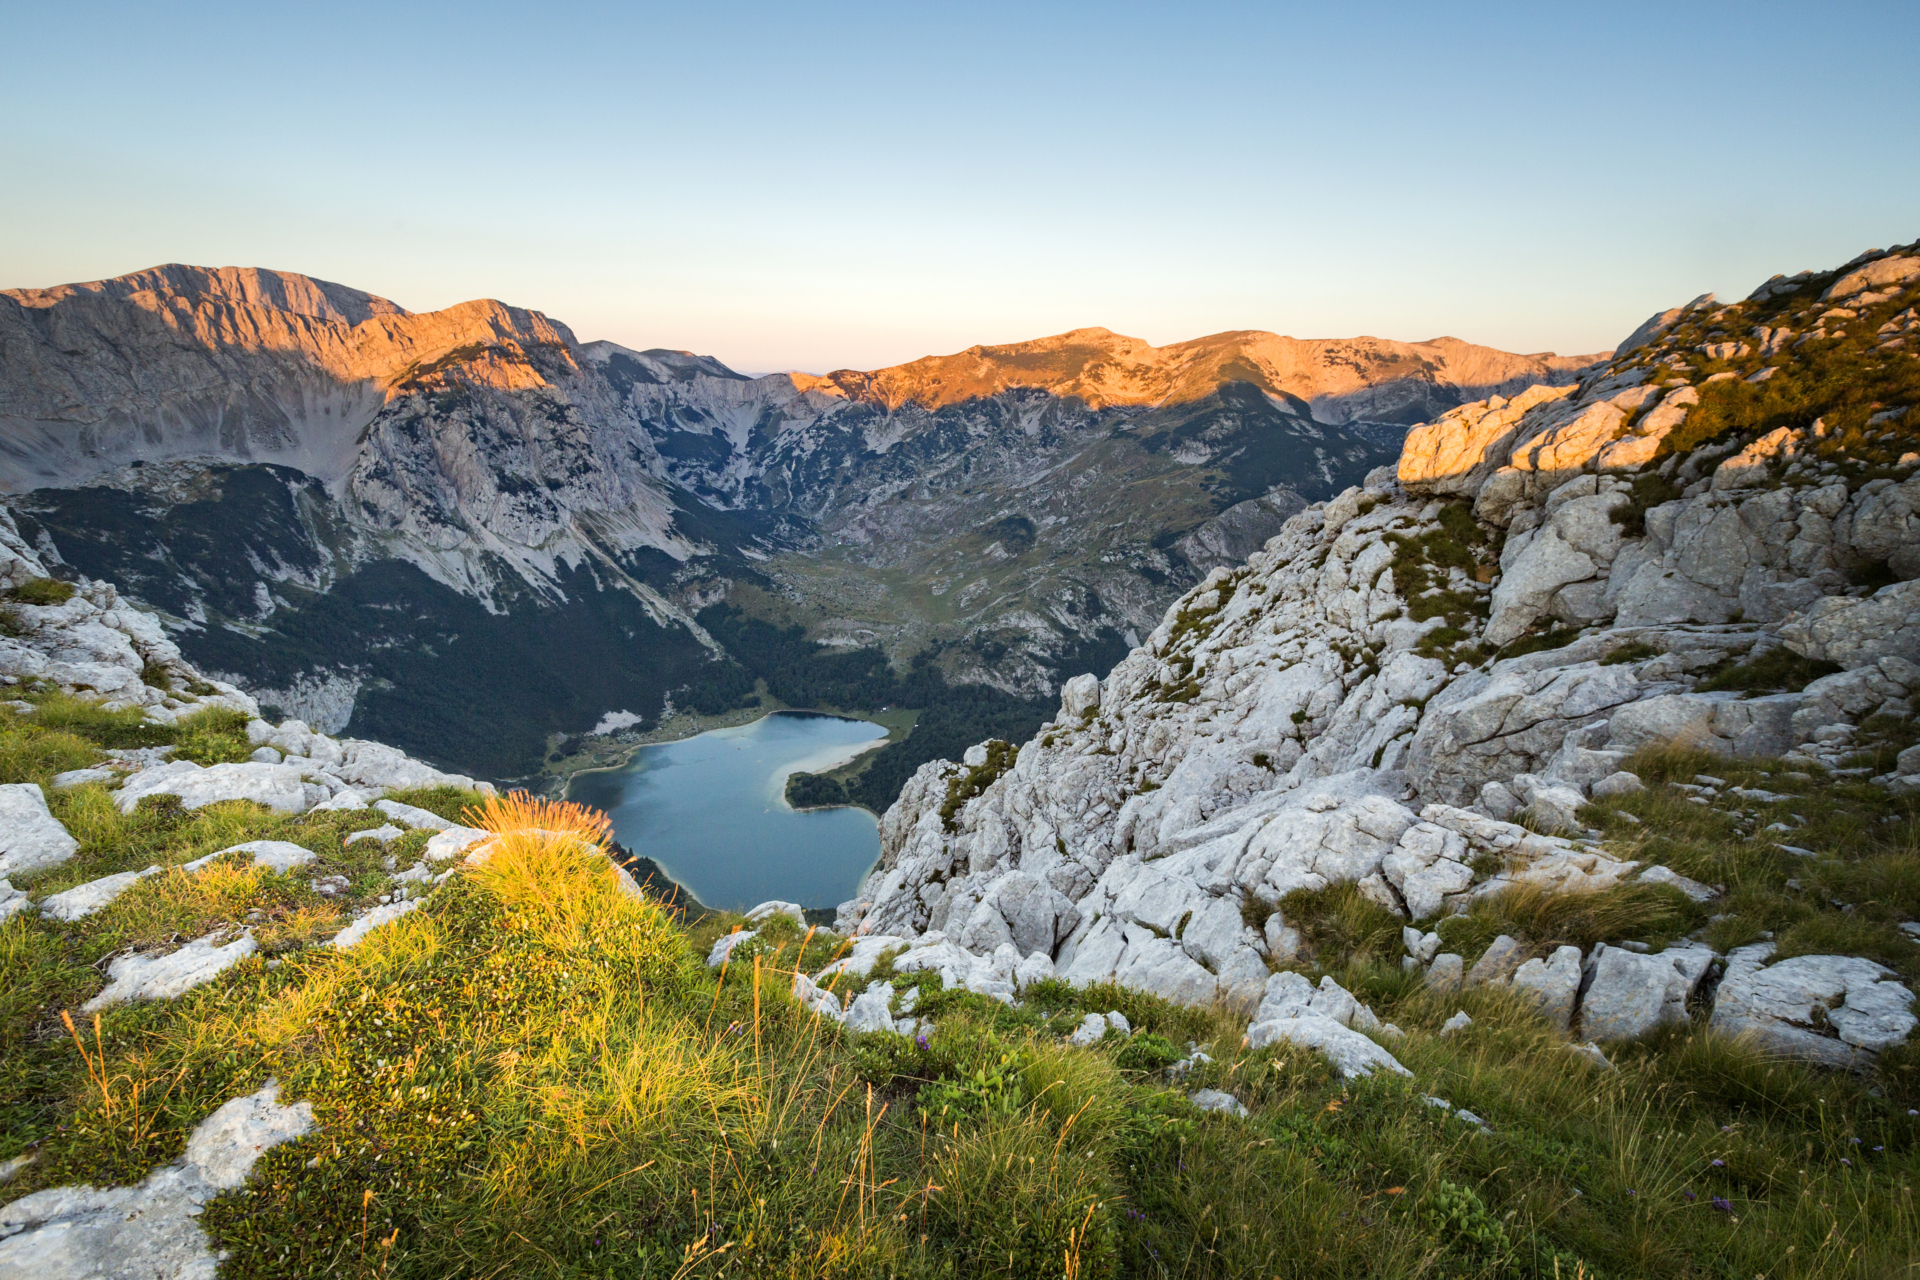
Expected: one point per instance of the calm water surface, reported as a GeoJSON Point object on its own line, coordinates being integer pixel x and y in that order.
{"type": "Point", "coordinates": [712, 811]}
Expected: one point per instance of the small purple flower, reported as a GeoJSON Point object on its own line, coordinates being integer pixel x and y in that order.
{"type": "Point", "coordinates": [1722, 1204]}
{"type": "Point", "coordinates": [1846, 1162]}
{"type": "Point", "coordinates": [1718, 1163]}
{"type": "Point", "coordinates": [1632, 1192]}
{"type": "Point", "coordinates": [1879, 1148]}
{"type": "Point", "coordinates": [1690, 1196]}
{"type": "Point", "coordinates": [1854, 1141]}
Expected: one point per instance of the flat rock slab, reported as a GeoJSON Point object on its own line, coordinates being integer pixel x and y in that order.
{"type": "Point", "coordinates": [31, 838]}
{"type": "Point", "coordinates": [276, 786]}
{"type": "Point", "coordinates": [81, 777]}
{"type": "Point", "coordinates": [412, 816]}
{"type": "Point", "coordinates": [367, 923]}
{"type": "Point", "coordinates": [85, 899]}
{"type": "Point", "coordinates": [1834, 1010]}
{"type": "Point", "coordinates": [1351, 1053]}
{"type": "Point", "coordinates": [148, 1230]}
{"type": "Point", "coordinates": [274, 855]}
{"type": "Point", "coordinates": [383, 833]}
{"type": "Point", "coordinates": [143, 977]}
{"type": "Point", "coordinates": [455, 841]}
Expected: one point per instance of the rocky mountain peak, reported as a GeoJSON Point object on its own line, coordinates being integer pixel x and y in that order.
{"type": "Point", "coordinates": [178, 285]}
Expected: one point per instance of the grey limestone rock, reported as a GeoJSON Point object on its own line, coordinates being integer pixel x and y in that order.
{"type": "Point", "coordinates": [161, 977]}
{"type": "Point", "coordinates": [1834, 1010]}
{"type": "Point", "coordinates": [148, 1230]}
{"type": "Point", "coordinates": [1854, 632]}
{"type": "Point", "coordinates": [85, 899]}
{"type": "Point", "coordinates": [723, 946]}
{"type": "Point", "coordinates": [1215, 1100]}
{"type": "Point", "coordinates": [1629, 994]}
{"type": "Point", "coordinates": [1496, 965]}
{"type": "Point", "coordinates": [767, 910]}
{"type": "Point", "coordinates": [12, 901]}
{"type": "Point", "coordinates": [1553, 984]}
{"type": "Point", "coordinates": [870, 1010]}
{"type": "Point", "coordinates": [412, 815]}
{"type": "Point", "coordinates": [374, 919]}
{"type": "Point", "coordinates": [1447, 972]}
{"type": "Point", "coordinates": [275, 786]}
{"type": "Point", "coordinates": [31, 838]}
{"type": "Point", "coordinates": [274, 855]}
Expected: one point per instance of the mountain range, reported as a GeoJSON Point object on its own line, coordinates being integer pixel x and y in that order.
{"type": "Point", "coordinates": [470, 534]}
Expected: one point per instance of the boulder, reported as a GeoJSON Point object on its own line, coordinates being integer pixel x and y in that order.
{"type": "Point", "coordinates": [1629, 994]}
{"type": "Point", "coordinates": [1080, 696]}
{"type": "Point", "coordinates": [1351, 1053]}
{"type": "Point", "coordinates": [722, 949]}
{"type": "Point", "coordinates": [1091, 1031]}
{"type": "Point", "coordinates": [767, 910]}
{"type": "Point", "coordinates": [871, 1009]}
{"type": "Point", "coordinates": [380, 834]}
{"type": "Point", "coordinates": [1855, 632]}
{"type": "Point", "coordinates": [12, 901]}
{"type": "Point", "coordinates": [1496, 966]}
{"type": "Point", "coordinates": [1614, 785]}
{"type": "Point", "coordinates": [31, 838]}
{"type": "Point", "coordinates": [1215, 1100]}
{"type": "Point", "coordinates": [1447, 972]}
{"type": "Point", "coordinates": [1552, 984]}
{"type": "Point", "coordinates": [1837, 1011]}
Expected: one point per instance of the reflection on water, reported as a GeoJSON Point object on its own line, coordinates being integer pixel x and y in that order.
{"type": "Point", "coordinates": [711, 810]}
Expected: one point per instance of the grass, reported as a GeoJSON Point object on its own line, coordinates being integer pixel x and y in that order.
{"type": "Point", "coordinates": [1543, 921]}
{"type": "Point", "coordinates": [534, 1076]}
{"type": "Point", "coordinates": [1778, 670]}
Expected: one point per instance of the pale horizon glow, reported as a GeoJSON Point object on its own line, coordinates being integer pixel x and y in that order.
{"type": "Point", "coordinates": [858, 185]}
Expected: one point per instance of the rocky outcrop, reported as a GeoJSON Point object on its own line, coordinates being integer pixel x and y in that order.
{"type": "Point", "coordinates": [1338, 709]}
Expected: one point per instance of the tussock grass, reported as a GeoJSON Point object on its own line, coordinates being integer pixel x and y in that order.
{"type": "Point", "coordinates": [1338, 921]}
{"type": "Point", "coordinates": [1544, 921]}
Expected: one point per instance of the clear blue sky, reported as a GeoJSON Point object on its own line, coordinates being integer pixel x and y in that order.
{"type": "Point", "coordinates": [849, 185]}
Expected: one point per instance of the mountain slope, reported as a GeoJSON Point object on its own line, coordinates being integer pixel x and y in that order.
{"type": "Point", "coordinates": [1697, 565]}
{"type": "Point", "coordinates": [334, 498]}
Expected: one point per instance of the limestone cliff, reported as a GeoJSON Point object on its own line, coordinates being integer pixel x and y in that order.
{"type": "Point", "coordinates": [1533, 594]}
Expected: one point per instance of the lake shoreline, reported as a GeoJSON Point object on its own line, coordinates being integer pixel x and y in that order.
{"type": "Point", "coordinates": [629, 750]}
{"type": "Point", "coordinates": [718, 822]}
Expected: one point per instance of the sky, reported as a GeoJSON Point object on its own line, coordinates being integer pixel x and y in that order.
{"type": "Point", "coordinates": [835, 185]}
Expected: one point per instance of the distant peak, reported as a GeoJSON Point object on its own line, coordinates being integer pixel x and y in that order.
{"type": "Point", "coordinates": [287, 291]}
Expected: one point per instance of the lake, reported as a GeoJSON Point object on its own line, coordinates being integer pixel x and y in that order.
{"type": "Point", "coordinates": [712, 811]}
